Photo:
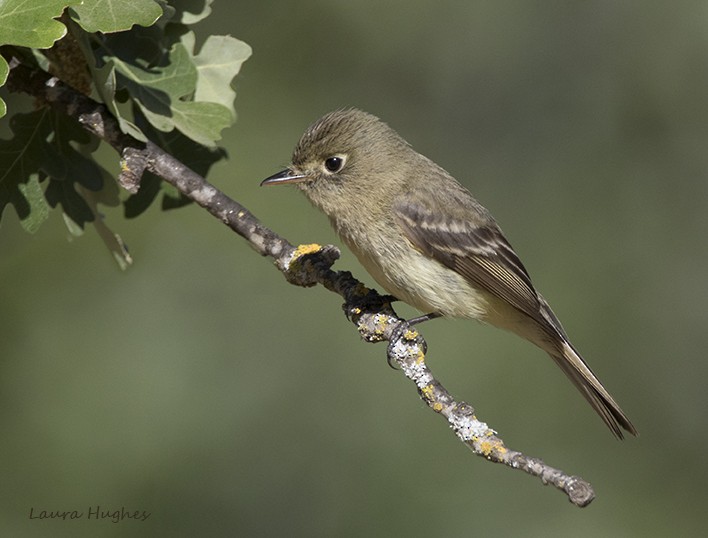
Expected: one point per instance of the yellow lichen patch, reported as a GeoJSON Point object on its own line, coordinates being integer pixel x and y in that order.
{"type": "Point", "coordinates": [410, 334]}
{"type": "Point", "coordinates": [493, 446]}
{"type": "Point", "coordinates": [356, 311]}
{"type": "Point", "coordinates": [380, 324]}
{"type": "Point", "coordinates": [428, 392]}
{"type": "Point", "coordinates": [301, 250]}
{"type": "Point", "coordinates": [486, 448]}
{"type": "Point", "coordinates": [437, 407]}
{"type": "Point", "coordinates": [295, 264]}
{"type": "Point", "coordinates": [420, 359]}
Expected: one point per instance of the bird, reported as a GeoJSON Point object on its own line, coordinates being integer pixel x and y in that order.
{"type": "Point", "coordinates": [427, 241]}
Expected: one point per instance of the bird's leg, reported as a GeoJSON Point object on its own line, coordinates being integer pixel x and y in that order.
{"type": "Point", "coordinates": [425, 317]}
{"type": "Point", "coordinates": [405, 325]}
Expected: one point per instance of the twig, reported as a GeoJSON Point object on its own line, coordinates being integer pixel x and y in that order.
{"type": "Point", "coordinates": [305, 265]}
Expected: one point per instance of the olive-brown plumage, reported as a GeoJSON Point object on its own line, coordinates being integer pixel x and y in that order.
{"type": "Point", "coordinates": [426, 240]}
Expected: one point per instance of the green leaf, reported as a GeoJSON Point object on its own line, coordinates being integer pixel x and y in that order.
{"type": "Point", "coordinates": [116, 15]}
{"type": "Point", "coordinates": [110, 239]}
{"type": "Point", "coordinates": [47, 146]}
{"type": "Point", "coordinates": [39, 209]}
{"type": "Point", "coordinates": [144, 46]}
{"type": "Point", "coordinates": [161, 92]}
{"type": "Point", "coordinates": [218, 62]}
{"type": "Point", "coordinates": [4, 71]}
{"type": "Point", "coordinates": [115, 244]}
{"type": "Point", "coordinates": [191, 11]}
{"type": "Point", "coordinates": [109, 193]}
{"type": "Point", "coordinates": [20, 159]}
{"type": "Point", "coordinates": [30, 23]}
{"type": "Point", "coordinates": [202, 122]}
{"type": "Point", "coordinates": [177, 76]}
{"type": "Point", "coordinates": [105, 82]}
{"type": "Point", "coordinates": [72, 203]}
{"type": "Point", "coordinates": [74, 229]}
{"type": "Point", "coordinates": [73, 166]}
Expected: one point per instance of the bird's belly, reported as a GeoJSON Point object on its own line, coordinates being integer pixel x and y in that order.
{"type": "Point", "coordinates": [424, 283]}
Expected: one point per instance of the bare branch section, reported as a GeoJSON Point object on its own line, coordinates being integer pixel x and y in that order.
{"type": "Point", "coordinates": [305, 265]}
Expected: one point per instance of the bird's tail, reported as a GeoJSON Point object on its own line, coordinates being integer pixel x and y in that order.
{"type": "Point", "coordinates": [590, 387]}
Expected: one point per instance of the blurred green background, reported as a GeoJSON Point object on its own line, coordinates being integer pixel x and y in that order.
{"type": "Point", "coordinates": [201, 387]}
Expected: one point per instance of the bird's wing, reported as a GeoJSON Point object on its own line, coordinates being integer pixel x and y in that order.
{"type": "Point", "coordinates": [473, 247]}
{"type": "Point", "coordinates": [462, 236]}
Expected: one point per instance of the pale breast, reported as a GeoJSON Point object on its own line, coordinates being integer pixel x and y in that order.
{"type": "Point", "coordinates": [413, 278]}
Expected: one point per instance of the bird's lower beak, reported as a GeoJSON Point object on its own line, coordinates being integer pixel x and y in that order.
{"type": "Point", "coordinates": [286, 176]}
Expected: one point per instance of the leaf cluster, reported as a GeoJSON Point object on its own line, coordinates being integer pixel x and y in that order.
{"type": "Point", "coordinates": [139, 58]}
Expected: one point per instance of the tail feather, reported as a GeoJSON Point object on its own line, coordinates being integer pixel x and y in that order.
{"type": "Point", "coordinates": [590, 387]}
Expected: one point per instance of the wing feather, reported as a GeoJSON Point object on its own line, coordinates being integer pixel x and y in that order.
{"type": "Point", "coordinates": [474, 248]}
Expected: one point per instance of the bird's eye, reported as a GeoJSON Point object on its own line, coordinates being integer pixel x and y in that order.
{"type": "Point", "coordinates": [334, 163]}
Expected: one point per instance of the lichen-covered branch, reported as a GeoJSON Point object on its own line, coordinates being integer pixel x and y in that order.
{"type": "Point", "coordinates": [407, 348]}
{"type": "Point", "coordinates": [305, 265]}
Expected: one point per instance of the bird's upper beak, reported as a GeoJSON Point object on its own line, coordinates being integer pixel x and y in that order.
{"type": "Point", "coordinates": [286, 176]}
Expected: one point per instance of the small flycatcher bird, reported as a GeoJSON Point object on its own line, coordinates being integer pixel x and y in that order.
{"type": "Point", "coordinates": [426, 240]}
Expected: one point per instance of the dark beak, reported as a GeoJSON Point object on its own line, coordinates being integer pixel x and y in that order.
{"type": "Point", "coordinates": [286, 176]}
